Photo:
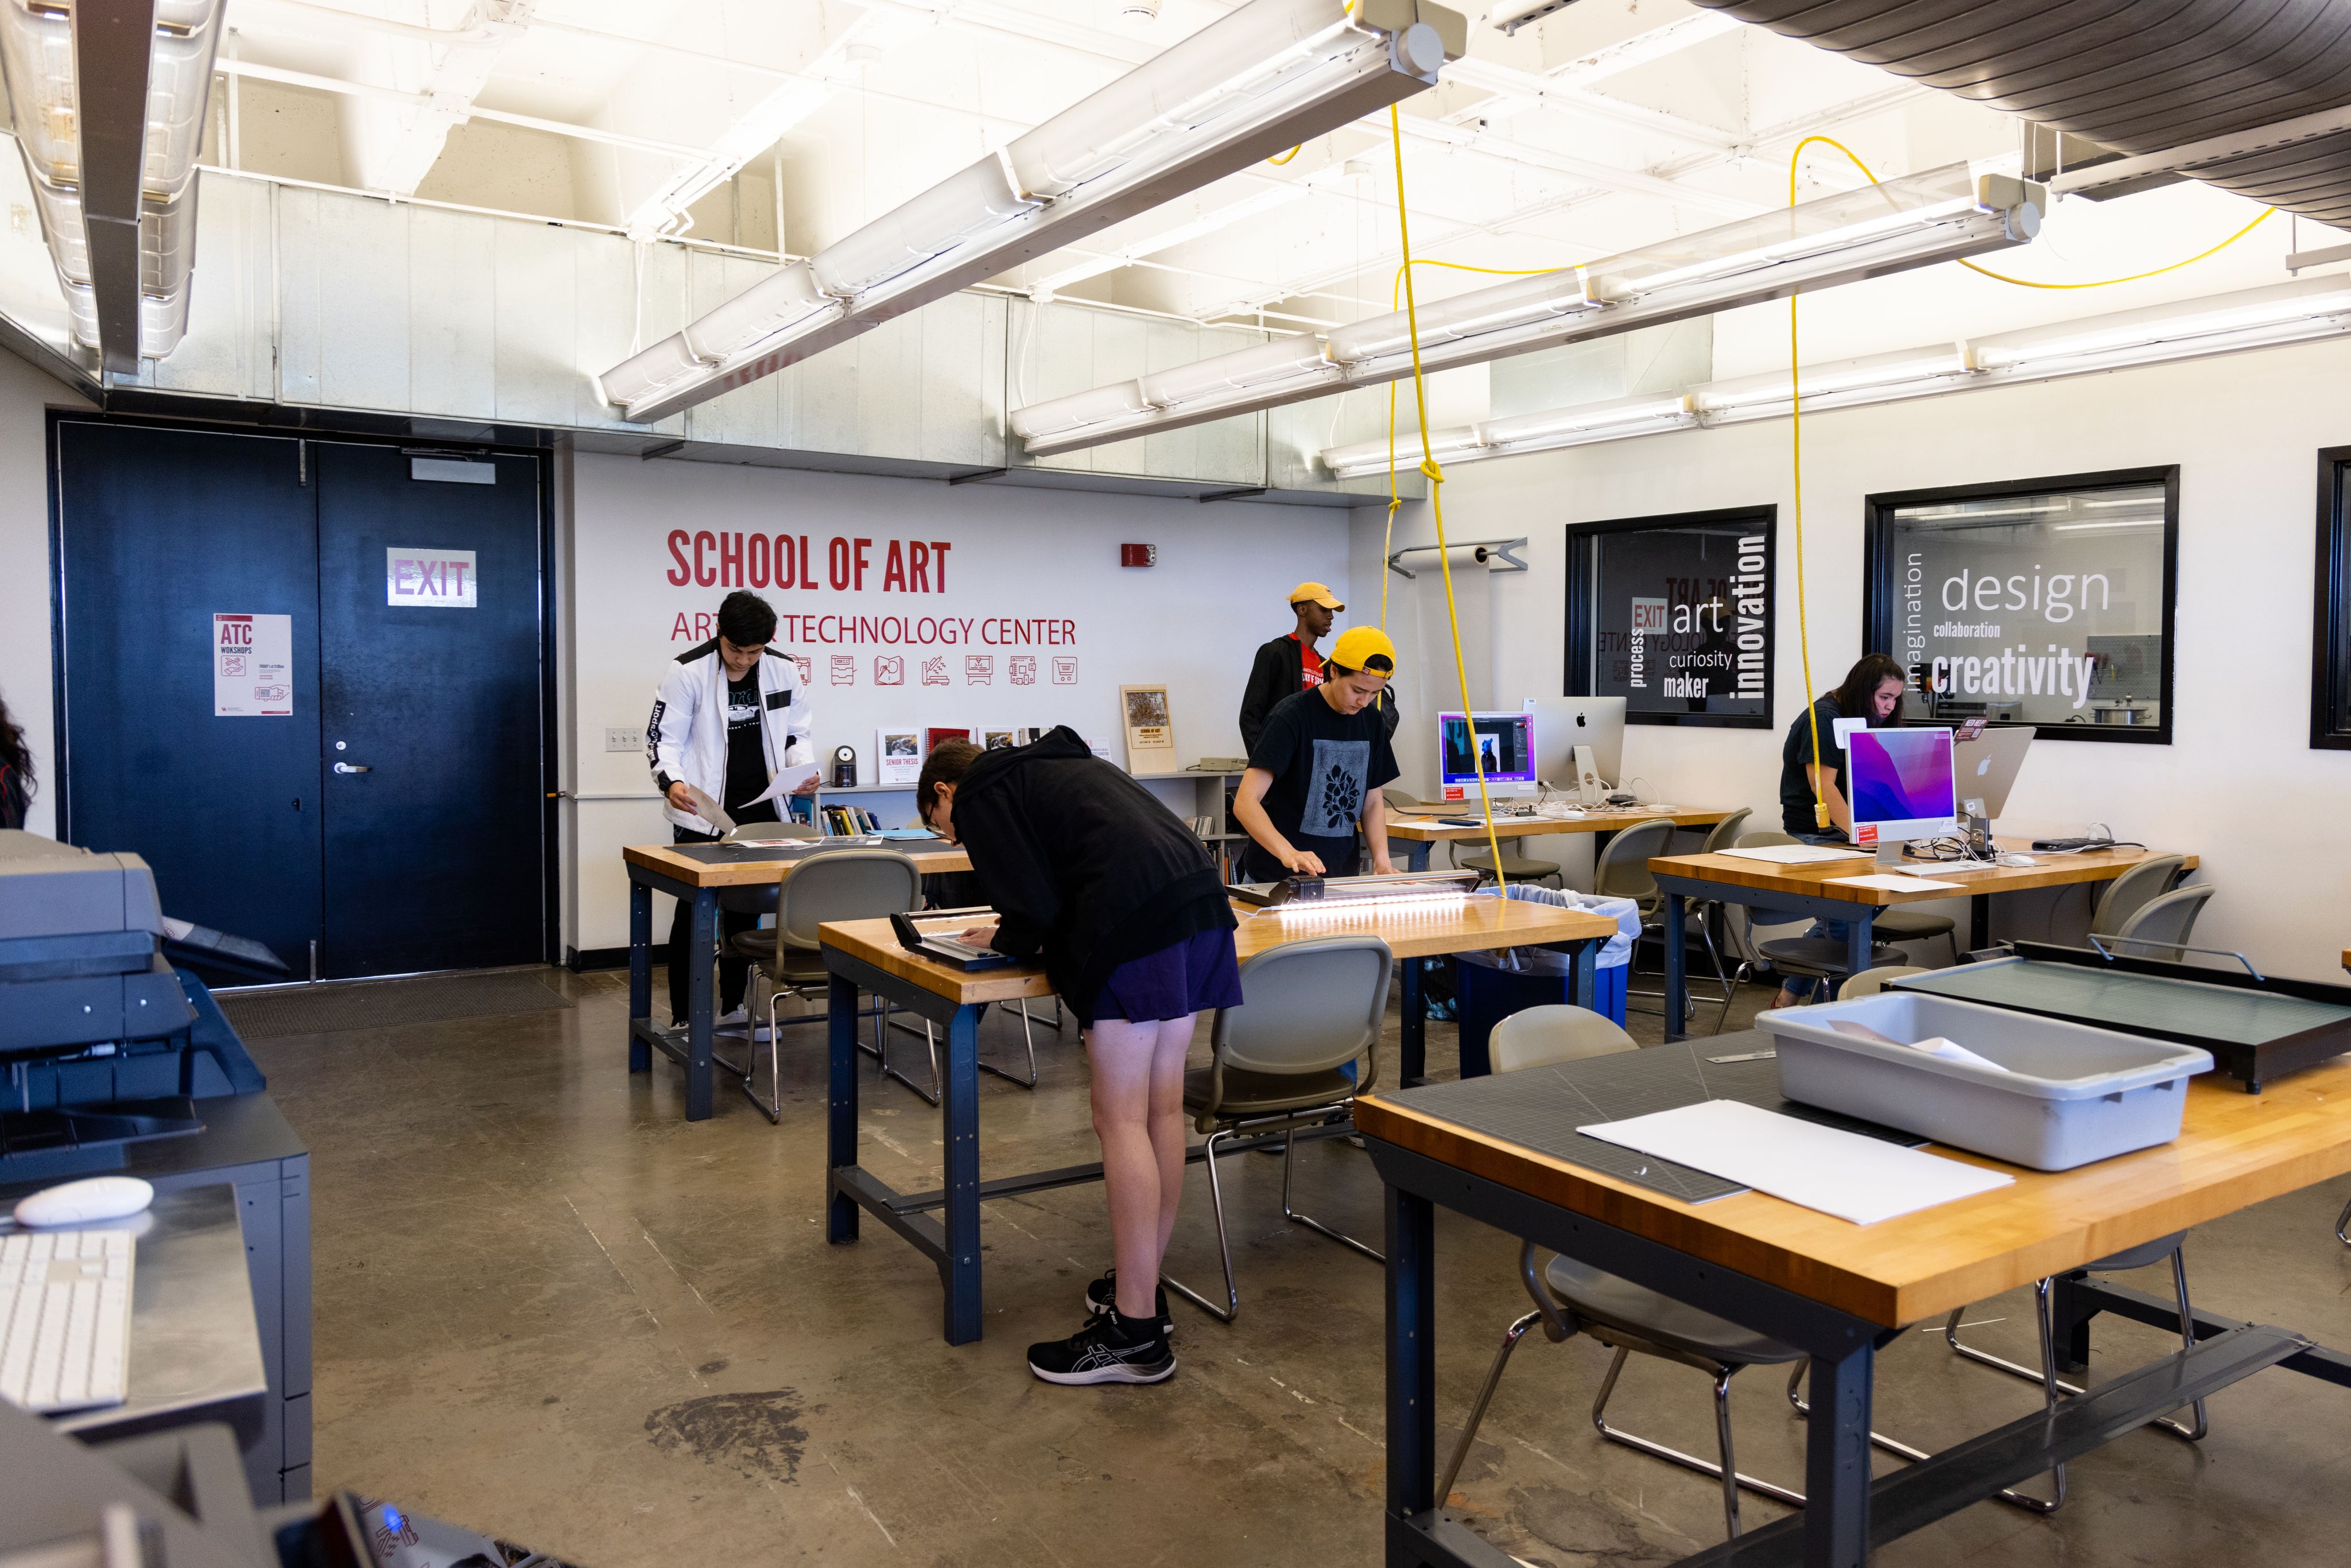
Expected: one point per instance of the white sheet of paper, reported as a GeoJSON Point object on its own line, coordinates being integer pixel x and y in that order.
{"type": "Point", "coordinates": [786, 780]}
{"type": "Point", "coordinates": [1792, 854]}
{"type": "Point", "coordinates": [1892, 884]}
{"type": "Point", "coordinates": [1843, 1174]}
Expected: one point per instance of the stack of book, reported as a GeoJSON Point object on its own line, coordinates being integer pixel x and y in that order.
{"type": "Point", "coordinates": [846, 822]}
{"type": "Point", "coordinates": [1206, 827]}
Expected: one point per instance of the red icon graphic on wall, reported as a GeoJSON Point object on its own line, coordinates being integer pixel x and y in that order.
{"type": "Point", "coordinates": [1024, 669]}
{"type": "Point", "coordinates": [807, 667]}
{"type": "Point", "coordinates": [979, 669]}
{"type": "Point", "coordinates": [935, 671]}
{"type": "Point", "coordinates": [844, 669]}
{"type": "Point", "coordinates": [1065, 671]}
{"type": "Point", "coordinates": [889, 670]}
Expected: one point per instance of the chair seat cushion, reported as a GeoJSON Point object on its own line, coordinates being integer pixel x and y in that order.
{"type": "Point", "coordinates": [1818, 955]}
{"type": "Point", "coordinates": [2140, 1255]}
{"type": "Point", "coordinates": [1261, 1094]}
{"type": "Point", "coordinates": [1618, 1302]}
{"type": "Point", "coordinates": [1910, 925]}
{"type": "Point", "coordinates": [1514, 864]}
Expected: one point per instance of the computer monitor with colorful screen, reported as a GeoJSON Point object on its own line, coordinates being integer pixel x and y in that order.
{"type": "Point", "coordinates": [1902, 787]}
{"type": "Point", "coordinates": [1505, 743]}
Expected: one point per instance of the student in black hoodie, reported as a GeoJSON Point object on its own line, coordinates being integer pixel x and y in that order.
{"type": "Point", "coordinates": [1089, 871]}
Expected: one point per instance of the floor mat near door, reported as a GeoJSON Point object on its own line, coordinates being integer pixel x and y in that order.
{"type": "Point", "coordinates": [387, 1004]}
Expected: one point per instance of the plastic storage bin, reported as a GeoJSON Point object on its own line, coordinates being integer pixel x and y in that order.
{"type": "Point", "coordinates": [2072, 1093]}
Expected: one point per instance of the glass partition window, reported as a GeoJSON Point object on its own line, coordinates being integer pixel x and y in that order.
{"type": "Point", "coordinates": [2045, 602]}
{"type": "Point", "coordinates": [1674, 615]}
{"type": "Point", "coordinates": [2330, 683]}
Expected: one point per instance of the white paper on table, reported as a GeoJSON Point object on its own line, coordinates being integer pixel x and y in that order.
{"type": "Point", "coordinates": [787, 780]}
{"type": "Point", "coordinates": [1854, 1178]}
{"type": "Point", "coordinates": [1892, 884]}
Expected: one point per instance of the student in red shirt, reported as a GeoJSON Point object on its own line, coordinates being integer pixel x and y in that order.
{"type": "Point", "coordinates": [1289, 664]}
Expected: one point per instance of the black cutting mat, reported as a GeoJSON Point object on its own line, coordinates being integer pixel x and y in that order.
{"type": "Point", "coordinates": [1541, 1107]}
{"type": "Point", "coordinates": [744, 854]}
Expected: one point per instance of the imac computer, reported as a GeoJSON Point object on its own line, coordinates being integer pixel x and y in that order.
{"type": "Point", "coordinates": [1985, 768]}
{"type": "Point", "coordinates": [1903, 789]}
{"type": "Point", "coordinates": [1596, 725]}
{"type": "Point", "coordinates": [1504, 743]}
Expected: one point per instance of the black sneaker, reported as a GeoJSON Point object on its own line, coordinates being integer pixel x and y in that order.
{"type": "Point", "coordinates": [1101, 1300]}
{"type": "Point", "coordinates": [1107, 1350]}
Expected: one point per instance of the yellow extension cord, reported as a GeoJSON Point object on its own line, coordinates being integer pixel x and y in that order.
{"type": "Point", "coordinates": [1796, 443]}
{"type": "Point", "coordinates": [1436, 507]}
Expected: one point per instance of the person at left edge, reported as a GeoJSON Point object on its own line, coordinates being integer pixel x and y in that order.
{"type": "Point", "coordinates": [1317, 769]}
{"type": "Point", "coordinates": [727, 718]}
{"type": "Point", "coordinates": [1089, 871]}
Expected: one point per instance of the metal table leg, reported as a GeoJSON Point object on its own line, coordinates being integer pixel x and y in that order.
{"type": "Point", "coordinates": [959, 1132]}
{"type": "Point", "coordinates": [702, 941]}
{"type": "Point", "coordinates": [1411, 1359]}
{"type": "Point", "coordinates": [641, 972]}
{"type": "Point", "coordinates": [840, 1112]}
{"type": "Point", "coordinates": [1415, 852]}
{"type": "Point", "coordinates": [1676, 967]}
{"type": "Point", "coordinates": [1978, 922]}
{"type": "Point", "coordinates": [1412, 1034]}
{"type": "Point", "coordinates": [1857, 940]}
{"type": "Point", "coordinates": [1836, 1462]}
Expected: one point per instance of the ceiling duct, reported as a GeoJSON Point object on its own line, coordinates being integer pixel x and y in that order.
{"type": "Point", "coordinates": [2241, 87]}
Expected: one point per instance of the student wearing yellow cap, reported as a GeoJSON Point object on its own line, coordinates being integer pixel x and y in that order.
{"type": "Point", "coordinates": [1317, 766]}
{"type": "Point", "coordinates": [1289, 663]}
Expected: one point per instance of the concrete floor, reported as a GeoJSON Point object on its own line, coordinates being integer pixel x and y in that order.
{"type": "Point", "coordinates": [549, 1308]}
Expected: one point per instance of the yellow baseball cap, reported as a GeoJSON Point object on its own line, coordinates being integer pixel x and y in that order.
{"type": "Point", "coordinates": [1318, 593]}
{"type": "Point", "coordinates": [1364, 648]}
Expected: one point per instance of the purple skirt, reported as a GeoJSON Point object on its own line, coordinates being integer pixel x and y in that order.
{"type": "Point", "coordinates": [1197, 975]}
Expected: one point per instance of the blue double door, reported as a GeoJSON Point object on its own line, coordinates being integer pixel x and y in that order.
{"type": "Point", "coordinates": [395, 817]}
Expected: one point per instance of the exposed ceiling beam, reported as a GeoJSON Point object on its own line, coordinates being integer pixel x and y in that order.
{"type": "Point", "coordinates": [397, 147]}
{"type": "Point", "coordinates": [1515, 90]}
{"type": "Point", "coordinates": [1094, 264]}
{"type": "Point", "coordinates": [1590, 171]}
{"type": "Point", "coordinates": [340, 20]}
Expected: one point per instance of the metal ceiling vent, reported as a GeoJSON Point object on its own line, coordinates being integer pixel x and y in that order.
{"type": "Point", "coordinates": [2253, 96]}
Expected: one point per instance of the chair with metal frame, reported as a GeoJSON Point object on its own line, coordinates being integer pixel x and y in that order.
{"type": "Point", "coordinates": [1315, 1007]}
{"type": "Point", "coordinates": [1621, 871]}
{"type": "Point", "coordinates": [1571, 1298]}
{"type": "Point", "coordinates": [757, 898]}
{"type": "Point", "coordinates": [2123, 897]}
{"type": "Point", "coordinates": [1869, 982]}
{"type": "Point", "coordinates": [787, 959]}
{"type": "Point", "coordinates": [2160, 928]}
{"type": "Point", "coordinates": [1810, 957]}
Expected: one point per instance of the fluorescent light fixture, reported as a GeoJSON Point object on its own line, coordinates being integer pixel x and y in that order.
{"type": "Point", "coordinates": [2119, 523]}
{"type": "Point", "coordinates": [37, 56]}
{"type": "Point", "coordinates": [1258, 80]}
{"type": "Point", "coordinates": [1214, 382]}
{"type": "Point", "coordinates": [1939, 215]}
{"type": "Point", "coordinates": [2193, 328]}
{"type": "Point", "coordinates": [1774, 389]}
{"type": "Point", "coordinates": [2281, 312]}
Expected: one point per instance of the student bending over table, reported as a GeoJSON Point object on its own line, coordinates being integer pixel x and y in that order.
{"type": "Point", "coordinates": [1317, 768]}
{"type": "Point", "coordinates": [1088, 869]}
{"type": "Point", "coordinates": [1871, 690]}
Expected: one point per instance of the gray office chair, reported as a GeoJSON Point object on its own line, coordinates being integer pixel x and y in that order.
{"type": "Point", "coordinates": [1515, 867]}
{"type": "Point", "coordinates": [1621, 871]}
{"type": "Point", "coordinates": [2148, 880]}
{"type": "Point", "coordinates": [758, 898]}
{"type": "Point", "coordinates": [839, 885]}
{"type": "Point", "coordinates": [1916, 925]}
{"type": "Point", "coordinates": [1572, 1298]}
{"type": "Point", "coordinates": [1812, 957]}
{"type": "Point", "coordinates": [1869, 982]}
{"type": "Point", "coordinates": [1725, 833]}
{"type": "Point", "coordinates": [2160, 928]}
{"type": "Point", "coordinates": [1313, 1007]}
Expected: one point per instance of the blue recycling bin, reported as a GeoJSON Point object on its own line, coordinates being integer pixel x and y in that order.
{"type": "Point", "coordinates": [1488, 996]}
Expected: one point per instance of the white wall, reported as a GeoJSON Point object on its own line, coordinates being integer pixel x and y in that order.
{"type": "Point", "coordinates": [2238, 784]}
{"type": "Point", "coordinates": [1191, 623]}
{"type": "Point", "coordinates": [25, 395]}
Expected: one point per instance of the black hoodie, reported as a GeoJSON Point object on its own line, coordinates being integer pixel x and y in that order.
{"type": "Point", "coordinates": [1081, 862]}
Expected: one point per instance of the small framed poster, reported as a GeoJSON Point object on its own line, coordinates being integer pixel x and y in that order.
{"type": "Point", "coordinates": [999, 739]}
{"type": "Point", "coordinates": [1149, 733]}
{"type": "Point", "coordinates": [897, 756]}
{"type": "Point", "coordinates": [931, 737]}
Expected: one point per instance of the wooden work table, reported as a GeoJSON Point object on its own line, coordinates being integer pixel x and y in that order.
{"type": "Point", "coordinates": [866, 955]}
{"type": "Point", "coordinates": [660, 868]}
{"type": "Point", "coordinates": [1840, 1291]}
{"type": "Point", "coordinates": [1417, 836]}
{"type": "Point", "coordinates": [1817, 889]}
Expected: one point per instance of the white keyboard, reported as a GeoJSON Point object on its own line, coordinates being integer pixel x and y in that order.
{"type": "Point", "coordinates": [65, 1318]}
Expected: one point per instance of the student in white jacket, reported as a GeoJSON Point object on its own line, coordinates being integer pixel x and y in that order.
{"type": "Point", "coordinates": [727, 720]}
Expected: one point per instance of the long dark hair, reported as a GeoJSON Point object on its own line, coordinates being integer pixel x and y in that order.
{"type": "Point", "coordinates": [1861, 682]}
{"type": "Point", "coordinates": [16, 769]}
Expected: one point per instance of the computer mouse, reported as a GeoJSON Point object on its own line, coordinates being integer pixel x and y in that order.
{"type": "Point", "coordinates": [86, 1202]}
{"type": "Point", "coordinates": [2012, 858]}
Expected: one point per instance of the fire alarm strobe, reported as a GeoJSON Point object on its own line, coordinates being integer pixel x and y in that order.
{"type": "Point", "coordinates": [1138, 555]}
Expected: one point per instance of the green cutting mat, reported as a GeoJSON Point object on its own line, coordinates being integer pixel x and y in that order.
{"type": "Point", "coordinates": [2133, 1001]}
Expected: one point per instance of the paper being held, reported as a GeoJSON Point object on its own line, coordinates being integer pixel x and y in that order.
{"type": "Point", "coordinates": [788, 781]}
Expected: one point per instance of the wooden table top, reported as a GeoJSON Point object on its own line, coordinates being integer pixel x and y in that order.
{"type": "Point", "coordinates": [1594, 821]}
{"type": "Point", "coordinates": [930, 855]}
{"type": "Point", "coordinates": [2234, 1150]}
{"type": "Point", "coordinates": [1472, 924]}
{"type": "Point", "coordinates": [2054, 871]}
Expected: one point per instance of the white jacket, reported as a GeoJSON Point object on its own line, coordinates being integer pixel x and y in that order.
{"type": "Point", "coordinates": [686, 736]}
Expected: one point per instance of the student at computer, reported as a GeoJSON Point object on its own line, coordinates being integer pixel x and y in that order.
{"type": "Point", "coordinates": [1290, 664]}
{"type": "Point", "coordinates": [1317, 769]}
{"type": "Point", "coordinates": [728, 717]}
{"type": "Point", "coordinates": [1871, 689]}
{"type": "Point", "coordinates": [1088, 869]}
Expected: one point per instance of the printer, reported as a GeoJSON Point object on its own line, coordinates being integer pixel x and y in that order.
{"type": "Point", "coordinates": [102, 1041]}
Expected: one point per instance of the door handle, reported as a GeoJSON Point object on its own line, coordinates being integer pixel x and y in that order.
{"type": "Point", "coordinates": [346, 767]}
